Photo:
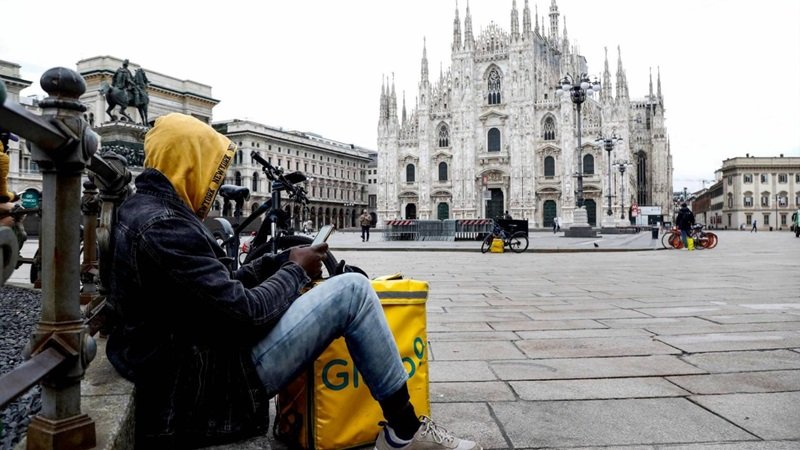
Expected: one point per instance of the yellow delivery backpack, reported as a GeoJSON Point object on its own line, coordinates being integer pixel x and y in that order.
{"type": "Point", "coordinates": [329, 406]}
{"type": "Point", "coordinates": [497, 246]}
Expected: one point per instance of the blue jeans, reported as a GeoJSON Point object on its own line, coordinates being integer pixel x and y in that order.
{"type": "Point", "coordinates": [684, 236]}
{"type": "Point", "coordinates": [345, 305]}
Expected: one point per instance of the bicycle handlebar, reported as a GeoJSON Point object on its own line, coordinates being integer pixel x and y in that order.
{"type": "Point", "coordinates": [273, 173]}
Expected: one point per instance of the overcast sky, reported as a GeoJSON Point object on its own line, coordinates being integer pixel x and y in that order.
{"type": "Point", "coordinates": [730, 69]}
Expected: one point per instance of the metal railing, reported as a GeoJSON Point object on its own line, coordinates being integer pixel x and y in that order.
{"type": "Point", "coordinates": [61, 347]}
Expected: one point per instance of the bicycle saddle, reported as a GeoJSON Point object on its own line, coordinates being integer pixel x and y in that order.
{"type": "Point", "coordinates": [233, 192]}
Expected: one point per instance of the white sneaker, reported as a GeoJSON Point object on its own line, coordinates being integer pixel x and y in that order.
{"type": "Point", "coordinates": [429, 437]}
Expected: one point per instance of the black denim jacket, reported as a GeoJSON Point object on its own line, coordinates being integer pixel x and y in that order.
{"type": "Point", "coordinates": [185, 324]}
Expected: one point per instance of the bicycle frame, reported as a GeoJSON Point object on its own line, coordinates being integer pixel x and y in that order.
{"type": "Point", "coordinates": [274, 224]}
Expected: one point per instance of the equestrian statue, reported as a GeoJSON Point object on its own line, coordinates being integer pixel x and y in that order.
{"type": "Point", "coordinates": [127, 90]}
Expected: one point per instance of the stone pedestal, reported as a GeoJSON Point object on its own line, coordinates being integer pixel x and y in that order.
{"type": "Point", "coordinates": [580, 226]}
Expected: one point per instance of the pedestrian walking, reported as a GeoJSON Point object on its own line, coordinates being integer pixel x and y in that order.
{"type": "Point", "coordinates": [755, 228]}
{"type": "Point", "coordinates": [366, 221]}
{"type": "Point", "coordinates": [556, 225]}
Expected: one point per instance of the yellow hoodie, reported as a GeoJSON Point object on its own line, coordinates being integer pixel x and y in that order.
{"type": "Point", "coordinates": [193, 157]}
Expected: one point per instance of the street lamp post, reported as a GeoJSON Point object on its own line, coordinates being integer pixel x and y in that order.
{"type": "Point", "coordinates": [577, 91]}
{"type": "Point", "coordinates": [608, 146]}
{"type": "Point", "coordinates": [622, 165]}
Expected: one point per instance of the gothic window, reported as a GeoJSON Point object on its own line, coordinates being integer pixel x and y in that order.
{"type": "Point", "coordinates": [444, 136]}
{"type": "Point", "coordinates": [255, 182]}
{"type": "Point", "coordinates": [588, 165]}
{"type": "Point", "coordinates": [410, 173]}
{"type": "Point", "coordinates": [549, 166]}
{"type": "Point", "coordinates": [549, 129]}
{"type": "Point", "coordinates": [747, 178]}
{"type": "Point", "coordinates": [730, 200]}
{"type": "Point", "coordinates": [494, 140]}
{"type": "Point", "coordinates": [641, 178]}
{"type": "Point", "coordinates": [494, 86]}
{"type": "Point", "coordinates": [442, 171]}
{"type": "Point", "coordinates": [238, 179]}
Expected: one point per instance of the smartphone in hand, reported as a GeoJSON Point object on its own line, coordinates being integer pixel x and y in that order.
{"type": "Point", "coordinates": [323, 235]}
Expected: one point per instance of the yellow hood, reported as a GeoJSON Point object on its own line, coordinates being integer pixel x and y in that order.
{"type": "Point", "coordinates": [193, 156]}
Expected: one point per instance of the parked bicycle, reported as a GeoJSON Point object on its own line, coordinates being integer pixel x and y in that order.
{"type": "Point", "coordinates": [516, 241]}
{"type": "Point", "coordinates": [702, 239]}
{"type": "Point", "coordinates": [275, 233]}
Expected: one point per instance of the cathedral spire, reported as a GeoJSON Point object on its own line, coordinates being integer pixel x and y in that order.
{"type": "Point", "coordinates": [424, 69]}
{"type": "Point", "coordinates": [384, 107]}
{"type": "Point", "coordinates": [605, 92]}
{"type": "Point", "coordinates": [514, 21]}
{"type": "Point", "coordinates": [526, 19]}
{"type": "Point", "coordinates": [468, 39]}
{"type": "Point", "coordinates": [404, 107]}
{"type": "Point", "coordinates": [456, 31]}
{"type": "Point", "coordinates": [565, 41]}
{"type": "Point", "coordinates": [650, 98]}
{"type": "Point", "coordinates": [393, 103]}
{"type": "Point", "coordinates": [536, 14]}
{"type": "Point", "coordinates": [553, 22]}
{"type": "Point", "coordinates": [620, 75]}
{"type": "Point", "coordinates": [660, 98]}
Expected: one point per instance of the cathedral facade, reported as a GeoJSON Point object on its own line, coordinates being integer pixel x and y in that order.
{"type": "Point", "coordinates": [491, 134]}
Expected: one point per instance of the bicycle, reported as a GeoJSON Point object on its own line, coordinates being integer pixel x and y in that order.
{"type": "Point", "coordinates": [702, 239]}
{"type": "Point", "coordinates": [275, 233]}
{"type": "Point", "coordinates": [516, 241]}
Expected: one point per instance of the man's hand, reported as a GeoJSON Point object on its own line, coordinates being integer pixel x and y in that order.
{"type": "Point", "coordinates": [309, 258]}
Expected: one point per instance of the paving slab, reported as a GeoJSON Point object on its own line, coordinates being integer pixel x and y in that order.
{"type": "Point", "coordinates": [768, 416]}
{"type": "Point", "coordinates": [473, 350]}
{"type": "Point", "coordinates": [750, 318]}
{"type": "Point", "coordinates": [743, 382]}
{"type": "Point", "coordinates": [609, 388]}
{"type": "Point", "coordinates": [726, 328]}
{"type": "Point", "coordinates": [471, 392]}
{"type": "Point", "coordinates": [612, 423]}
{"type": "Point", "coordinates": [519, 325]}
{"type": "Point", "coordinates": [582, 347]}
{"type": "Point", "coordinates": [590, 333]}
{"type": "Point", "coordinates": [713, 342]}
{"type": "Point", "coordinates": [440, 371]}
{"type": "Point", "coordinates": [719, 362]}
{"type": "Point", "coordinates": [472, 336]}
{"type": "Point", "coordinates": [655, 321]}
{"type": "Point", "coordinates": [578, 368]}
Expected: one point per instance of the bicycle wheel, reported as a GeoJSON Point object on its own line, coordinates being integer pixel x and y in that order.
{"type": "Point", "coordinates": [289, 241]}
{"type": "Point", "coordinates": [676, 241]}
{"type": "Point", "coordinates": [701, 241]}
{"type": "Point", "coordinates": [518, 242]}
{"type": "Point", "coordinates": [666, 239]}
{"type": "Point", "coordinates": [712, 240]}
{"type": "Point", "coordinates": [487, 243]}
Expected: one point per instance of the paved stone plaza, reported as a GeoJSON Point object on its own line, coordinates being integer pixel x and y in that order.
{"type": "Point", "coordinates": [698, 349]}
{"type": "Point", "coordinates": [645, 349]}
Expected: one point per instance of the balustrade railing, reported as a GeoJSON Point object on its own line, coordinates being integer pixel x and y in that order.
{"type": "Point", "coordinates": [59, 352]}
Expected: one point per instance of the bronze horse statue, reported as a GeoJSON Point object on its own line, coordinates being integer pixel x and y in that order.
{"type": "Point", "coordinates": [135, 96]}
